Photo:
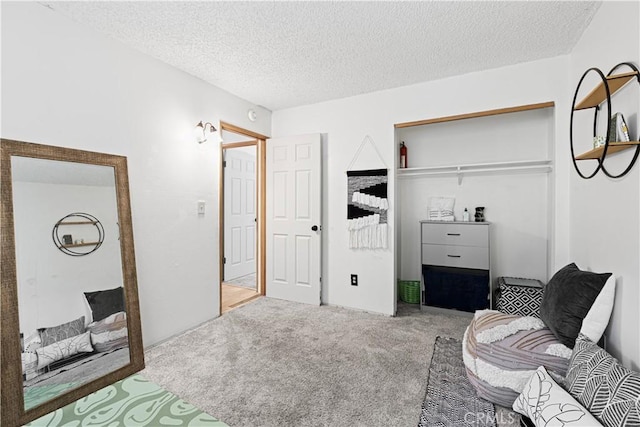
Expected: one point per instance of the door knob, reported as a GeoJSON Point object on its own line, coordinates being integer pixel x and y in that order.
{"type": "Point", "coordinates": [314, 228]}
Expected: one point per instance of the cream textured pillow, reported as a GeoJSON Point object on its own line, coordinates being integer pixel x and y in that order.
{"type": "Point", "coordinates": [597, 319]}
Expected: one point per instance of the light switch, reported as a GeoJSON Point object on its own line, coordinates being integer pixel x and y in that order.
{"type": "Point", "coordinates": [201, 205]}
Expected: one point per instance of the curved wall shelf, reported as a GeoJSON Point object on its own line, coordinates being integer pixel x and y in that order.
{"type": "Point", "coordinates": [77, 219]}
{"type": "Point", "coordinates": [609, 85]}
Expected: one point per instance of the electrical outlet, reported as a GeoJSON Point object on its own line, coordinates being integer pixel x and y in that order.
{"type": "Point", "coordinates": [354, 280]}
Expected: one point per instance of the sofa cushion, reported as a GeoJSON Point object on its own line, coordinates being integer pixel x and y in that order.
{"type": "Point", "coordinates": [546, 403]}
{"type": "Point", "coordinates": [567, 299]}
{"type": "Point", "coordinates": [601, 384]}
{"type": "Point", "coordinates": [502, 351]}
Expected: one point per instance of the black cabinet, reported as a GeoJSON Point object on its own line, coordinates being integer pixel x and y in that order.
{"type": "Point", "coordinates": [457, 288]}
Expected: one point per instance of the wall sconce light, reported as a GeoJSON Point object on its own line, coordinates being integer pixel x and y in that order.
{"type": "Point", "coordinates": [201, 131]}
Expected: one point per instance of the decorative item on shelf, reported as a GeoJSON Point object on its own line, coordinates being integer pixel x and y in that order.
{"type": "Point", "coordinates": [618, 131]}
{"type": "Point", "coordinates": [67, 244]}
{"type": "Point", "coordinates": [441, 208]}
{"type": "Point", "coordinates": [403, 155]}
{"type": "Point", "coordinates": [201, 131]}
{"type": "Point", "coordinates": [465, 215]}
{"type": "Point", "coordinates": [612, 131]}
{"type": "Point", "coordinates": [598, 141]}
{"type": "Point", "coordinates": [617, 138]}
{"type": "Point", "coordinates": [622, 131]}
{"type": "Point", "coordinates": [479, 216]}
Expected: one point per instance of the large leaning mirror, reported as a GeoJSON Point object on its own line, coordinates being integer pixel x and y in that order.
{"type": "Point", "coordinates": [70, 314]}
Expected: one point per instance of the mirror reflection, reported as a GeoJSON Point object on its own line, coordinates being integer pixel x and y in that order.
{"type": "Point", "coordinates": [71, 305]}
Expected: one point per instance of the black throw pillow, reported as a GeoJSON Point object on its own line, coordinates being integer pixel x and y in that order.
{"type": "Point", "coordinates": [567, 299]}
{"type": "Point", "coordinates": [104, 303]}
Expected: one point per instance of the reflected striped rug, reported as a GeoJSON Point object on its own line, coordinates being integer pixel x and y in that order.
{"type": "Point", "coordinates": [133, 401]}
{"type": "Point", "coordinates": [451, 400]}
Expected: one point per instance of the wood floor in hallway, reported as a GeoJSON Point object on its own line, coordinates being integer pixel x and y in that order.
{"type": "Point", "coordinates": [236, 296]}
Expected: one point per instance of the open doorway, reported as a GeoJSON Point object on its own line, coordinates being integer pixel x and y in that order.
{"type": "Point", "coordinates": [241, 217]}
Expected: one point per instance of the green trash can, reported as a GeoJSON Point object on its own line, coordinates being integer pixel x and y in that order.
{"type": "Point", "coordinates": [409, 291]}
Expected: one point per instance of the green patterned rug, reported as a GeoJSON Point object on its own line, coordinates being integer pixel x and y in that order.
{"type": "Point", "coordinates": [133, 401]}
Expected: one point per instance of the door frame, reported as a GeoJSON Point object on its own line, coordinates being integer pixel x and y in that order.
{"type": "Point", "coordinates": [259, 141]}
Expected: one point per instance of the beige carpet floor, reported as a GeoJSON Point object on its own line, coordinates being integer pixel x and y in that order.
{"type": "Point", "coordinates": [277, 363]}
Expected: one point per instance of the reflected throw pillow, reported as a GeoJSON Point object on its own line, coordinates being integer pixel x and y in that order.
{"type": "Point", "coordinates": [29, 365]}
{"type": "Point", "coordinates": [62, 349]}
{"type": "Point", "coordinates": [105, 303]}
{"type": "Point", "coordinates": [58, 333]}
{"type": "Point", "coordinates": [110, 333]}
{"type": "Point", "coordinates": [32, 342]}
{"type": "Point", "coordinates": [567, 299]}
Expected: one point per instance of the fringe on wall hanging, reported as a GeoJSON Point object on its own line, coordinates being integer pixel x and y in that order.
{"type": "Point", "coordinates": [367, 205]}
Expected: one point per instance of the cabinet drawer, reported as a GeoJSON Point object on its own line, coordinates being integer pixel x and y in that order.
{"type": "Point", "coordinates": [456, 256]}
{"type": "Point", "coordinates": [456, 234]}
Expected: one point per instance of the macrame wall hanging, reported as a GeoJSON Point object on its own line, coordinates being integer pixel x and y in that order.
{"type": "Point", "coordinates": [367, 204]}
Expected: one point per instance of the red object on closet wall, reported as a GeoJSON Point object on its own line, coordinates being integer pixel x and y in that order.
{"type": "Point", "coordinates": [403, 155]}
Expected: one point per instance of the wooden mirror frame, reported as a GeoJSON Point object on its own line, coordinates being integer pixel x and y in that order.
{"type": "Point", "coordinates": [12, 411]}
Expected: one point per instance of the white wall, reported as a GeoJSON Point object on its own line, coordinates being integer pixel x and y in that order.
{"type": "Point", "coordinates": [64, 84]}
{"type": "Point", "coordinates": [517, 203]}
{"type": "Point", "coordinates": [51, 283]}
{"type": "Point", "coordinates": [605, 213]}
{"type": "Point", "coordinates": [347, 121]}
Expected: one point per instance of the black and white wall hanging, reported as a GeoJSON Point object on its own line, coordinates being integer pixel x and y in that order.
{"type": "Point", "coordinates": [367, 204]}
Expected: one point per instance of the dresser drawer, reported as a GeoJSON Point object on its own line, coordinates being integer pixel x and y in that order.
{"type": "Point", "coordinates": [456, 256]}
{"type": "Point", "coordinates": [456, 234]}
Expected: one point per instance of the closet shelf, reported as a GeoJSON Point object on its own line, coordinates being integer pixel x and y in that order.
{"type": "Point", "coordinates": [598, 95]}
{"type": "Point", "coordinates": [614, 147]}
{"type": "Point", "coordinates": [524, 165]}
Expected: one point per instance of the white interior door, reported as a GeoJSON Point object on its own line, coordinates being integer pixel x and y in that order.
{"type": "Point", "coordinates": [239, 212]}
{"type": "Point", "coordinates": [293, 256]}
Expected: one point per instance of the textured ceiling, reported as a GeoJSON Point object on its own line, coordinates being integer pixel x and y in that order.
{"type": "Point", "coordinates": [285, 54]}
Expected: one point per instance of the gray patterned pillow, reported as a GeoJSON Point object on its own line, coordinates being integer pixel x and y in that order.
{"type": "Point", "coordinates": [601, 384]}
{"type": "Point", "coordinates": [61, 332]}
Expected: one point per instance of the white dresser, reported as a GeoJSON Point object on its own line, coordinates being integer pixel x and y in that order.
{"type": "Point", "coordinates": [455, 265]}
